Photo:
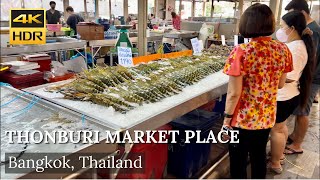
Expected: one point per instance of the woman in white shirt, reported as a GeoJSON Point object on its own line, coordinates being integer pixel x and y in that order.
{"type": "Point", "coordinates": [298, 38]}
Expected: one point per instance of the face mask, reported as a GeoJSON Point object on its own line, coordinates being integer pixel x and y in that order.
{"type": "Point", "coordinates": [282, 36]}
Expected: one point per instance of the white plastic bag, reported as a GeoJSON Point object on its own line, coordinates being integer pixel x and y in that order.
{"type": "Point", "coordinates": [58, 69]}
{"type": "Point", "coordinates": [76, 65]}
{"type": "Point", "coordinates": [204, 33]}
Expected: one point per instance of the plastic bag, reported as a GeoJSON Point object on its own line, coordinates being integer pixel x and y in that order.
{"type": "Point", "coordinates": [76, 65]}
{"type": "Point", "coordinates": [204, 33]}
{"type": "Point", "coordinates": [58, 69]}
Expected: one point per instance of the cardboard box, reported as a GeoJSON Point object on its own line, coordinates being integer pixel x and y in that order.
{"type": "Point", "coordinates": [90, 31]}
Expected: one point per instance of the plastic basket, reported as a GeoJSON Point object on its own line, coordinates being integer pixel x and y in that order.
{"type": "Point", "coordinates": [54, 27]}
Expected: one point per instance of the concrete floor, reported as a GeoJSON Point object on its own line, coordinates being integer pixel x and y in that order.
{"type": "Point", "coordinates": [306, 165]}
{"type": "Point", "coordinates": [302, 166]}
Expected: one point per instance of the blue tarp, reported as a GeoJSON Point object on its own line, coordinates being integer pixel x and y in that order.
{"type": "Point", "coordinates": [89, 57]}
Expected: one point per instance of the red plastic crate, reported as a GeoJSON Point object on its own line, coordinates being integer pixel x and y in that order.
{"type": "Point", "coordinates": [21, 82]}
{"type": "Point", "coordinates": [155, 157]}
{"type": "Point", "coordinates": [45, 65]}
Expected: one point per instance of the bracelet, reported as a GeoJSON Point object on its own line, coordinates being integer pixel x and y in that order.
{"type": "Point", "coordinates": [228, 115]}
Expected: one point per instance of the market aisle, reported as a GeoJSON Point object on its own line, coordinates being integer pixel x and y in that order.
{"type": "Point", "coordinates": [305, 165]}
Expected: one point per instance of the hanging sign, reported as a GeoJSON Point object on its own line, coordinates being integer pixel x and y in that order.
{"type": "Point", "coordinates": [125, 56]}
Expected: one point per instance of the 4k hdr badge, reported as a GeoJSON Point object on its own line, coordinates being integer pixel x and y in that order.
{"type": "Point", "coordinates": [27, 26]}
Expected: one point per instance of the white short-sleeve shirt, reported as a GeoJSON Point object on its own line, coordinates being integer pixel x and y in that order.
{"type": "Point", "coordinates": [300, 57]}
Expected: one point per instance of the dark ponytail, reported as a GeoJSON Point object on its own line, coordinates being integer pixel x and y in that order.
{"type": "Point", "coordinates": [297, 20]}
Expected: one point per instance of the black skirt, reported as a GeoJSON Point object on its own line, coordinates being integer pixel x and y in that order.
{"type": "Point", "coordinates": [286, 108]}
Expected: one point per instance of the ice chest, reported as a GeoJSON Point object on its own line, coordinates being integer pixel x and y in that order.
{"type": "Point", "coordinates": [186, 159]}
{"type": "Point", "coordinates": [155, 159]}
{"type": "Point", "coordinates": [21, 82]}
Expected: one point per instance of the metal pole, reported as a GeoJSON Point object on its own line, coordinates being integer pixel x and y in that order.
{"type": "Point", "coordinates": [96, 7]}
{"type": "Point", "coordinates": [193, 8]}
{"type": "Point", "coordinates": [204, 8]}
{"type": "Point", "coordinates": [110, 13]}
{"type": "Point", "coordinates": [125, 9]}
{"type": "Point", "coordinates": [155, 10]}
{"type": "Point", "coordinates": [280, 11]}
{"type": "Point", "coordinates": [22, 3]}
{"type": "Point", "coordinates": [65, 5]}
{"type": "Point", "coordinates": [180, 8]}
{"type": "Point", "coordinates": [241, 2]}
{"type": "Point", "coordinates": [274, 6]}
{"type": "Point", "coordinates": [212, 8]}
{"type": "Point", "coordinates": [85, 9]}
{"type": "Point", "coordinates": [142, 24]}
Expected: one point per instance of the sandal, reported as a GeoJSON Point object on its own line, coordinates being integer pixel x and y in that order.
{"type": "Point", "coordinates": [289, 141]}
{"type": "Point", "coordinates": [274, 170]}
{"type": "Point", "coordinates": [292, 151]}
{"type": "Point", "coordinates": [282, 161]}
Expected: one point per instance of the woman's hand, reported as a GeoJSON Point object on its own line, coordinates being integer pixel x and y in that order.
{"type": "Point", "coordinates": [226, 125]}
{"type": "Point", "coordinates": [227, 121]}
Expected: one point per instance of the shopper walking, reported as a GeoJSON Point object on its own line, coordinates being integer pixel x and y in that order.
{"type": "Point", "coordinates": [73, 20]}
{"type": "Point", "coordinates": [256, 70]}
{"type": "Point", "coordinates": [296, 90]}
{"type": "Point", "coordinates": [176, 21]}
{"type": "Point", "coordinates": [302, 122]}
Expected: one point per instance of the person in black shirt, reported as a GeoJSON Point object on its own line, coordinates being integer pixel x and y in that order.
{"type": "Point", "coordinates": [53, 16]}
{"type": "Point", "coordinates": [296, 138]}
{"type": "Point", "coordinates": [73, 19]}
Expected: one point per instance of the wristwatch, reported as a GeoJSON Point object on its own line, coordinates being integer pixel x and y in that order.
{"type": "Point", "coordinates": [228, 115]}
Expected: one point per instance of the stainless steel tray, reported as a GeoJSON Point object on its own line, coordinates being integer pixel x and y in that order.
{"type": "Point", "coordinates": [61, 44]}
{"type": "Point", "coordinates": [44, 116]}
{"type": "Point", "coordinates": [44, 104]}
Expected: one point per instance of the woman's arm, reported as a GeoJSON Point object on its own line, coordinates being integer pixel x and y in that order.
{"type": "Point", "coordinates": [233, 96]}
{"type": "Point", "coordinates": [283, 79]}
{"type": "Point", "coordinates": [289, 81]}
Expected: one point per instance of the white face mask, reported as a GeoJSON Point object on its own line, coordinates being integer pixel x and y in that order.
{"type": "Point", "coordinates": [282, 36]}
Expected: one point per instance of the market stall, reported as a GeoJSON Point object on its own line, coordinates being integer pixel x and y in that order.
{"type": "Point", "coordinates": [55, 44]}
{"type": "Point", "coordinates": [41, 115]}
{"type": "Point", "coordinates": [147, 96]}
{"type": "Point", "coordinates": [96, 45]}
{"type": "Point", "coordinates": [209, 84]}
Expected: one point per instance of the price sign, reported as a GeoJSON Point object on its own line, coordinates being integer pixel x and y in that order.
{"type": "Point", "coordinates": [223, 39]}
{"type": "Point", "coordinates": [236, 40]}
{"type": "Point", "coordinates": [196, 46]}
{"type": "Point", "coordinates": [125, 56]}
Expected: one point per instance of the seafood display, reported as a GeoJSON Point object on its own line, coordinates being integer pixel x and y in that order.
{"type": "Point", "coordinates": [219, 50]}
{"type": "Point", "coordinates": [123, 88]}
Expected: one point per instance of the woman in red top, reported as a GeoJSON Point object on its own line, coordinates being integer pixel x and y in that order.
{"type": "Point", "coordinates": [176, 20]}
{"type": "Point", "coordinates": [256, 70]}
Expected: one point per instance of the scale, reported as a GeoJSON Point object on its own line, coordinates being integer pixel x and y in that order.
{"type": "Point", "coordinates": [123, 39]}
